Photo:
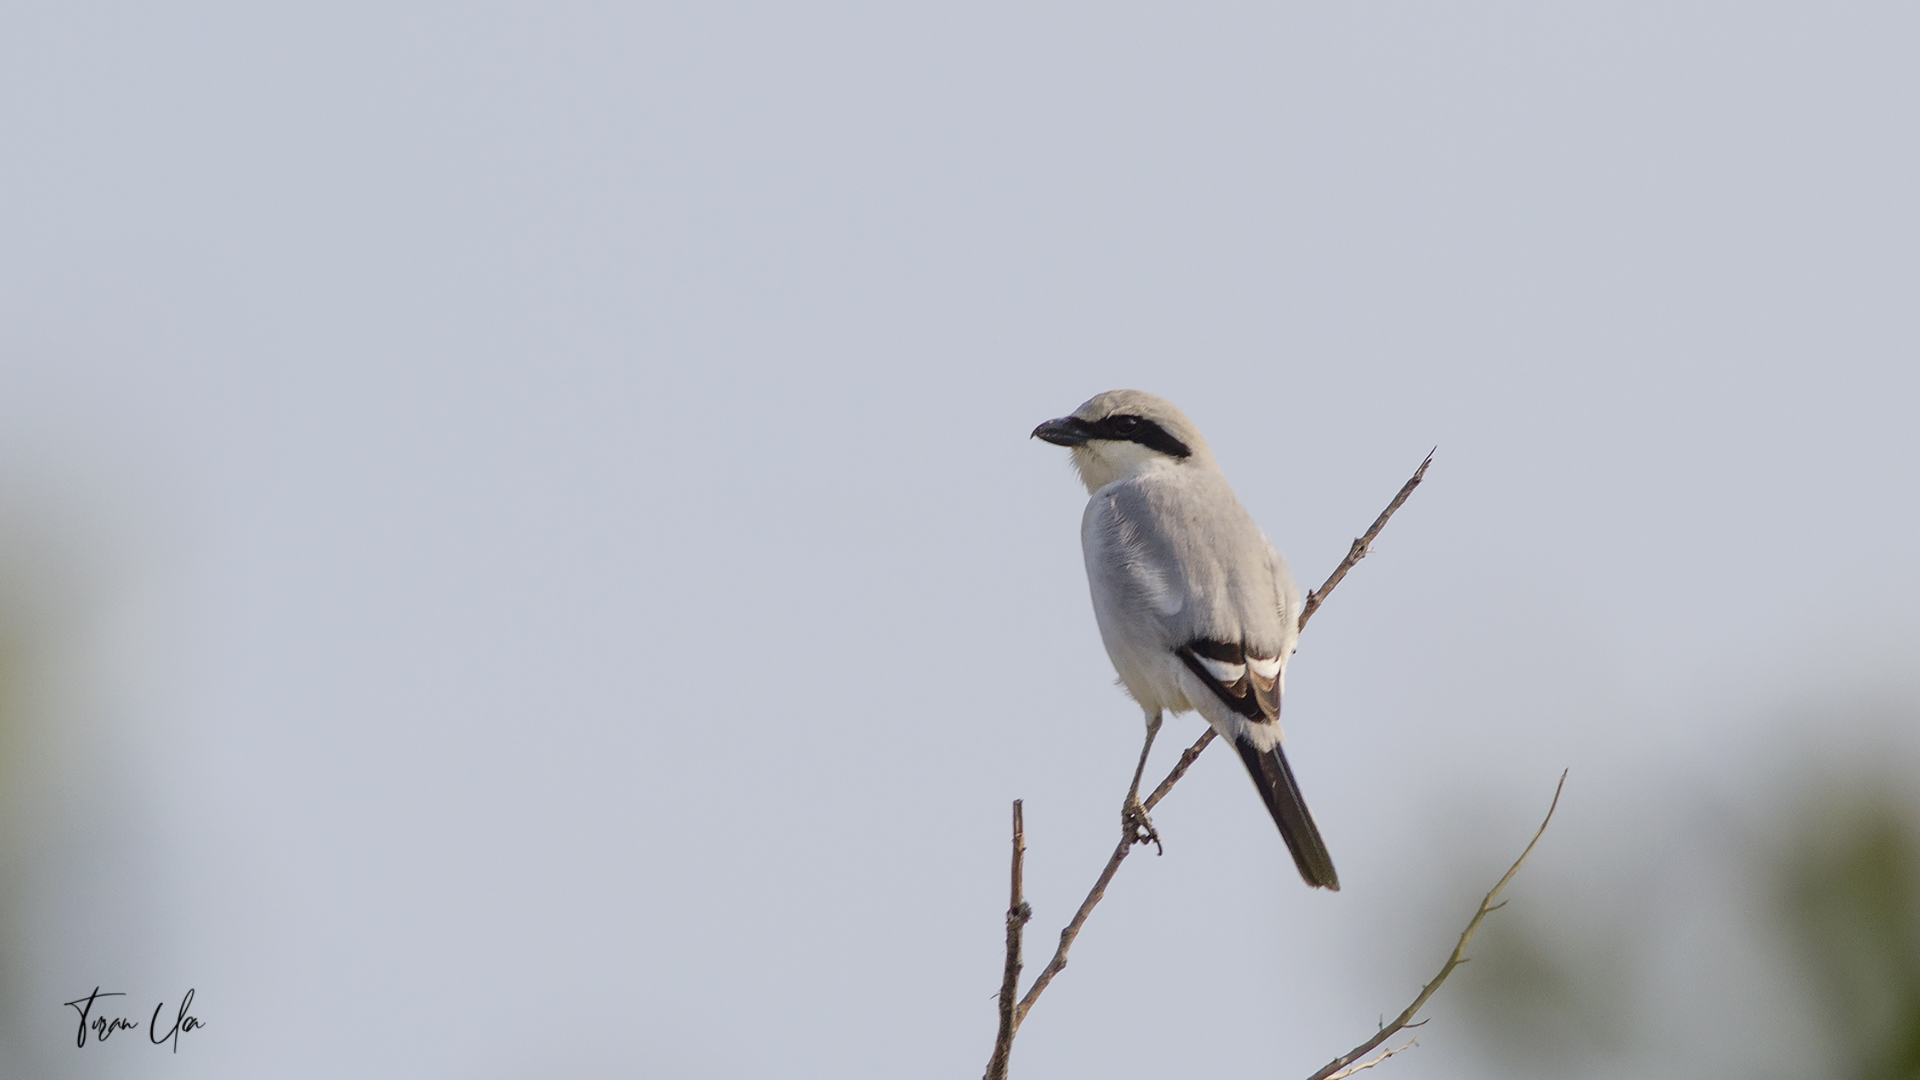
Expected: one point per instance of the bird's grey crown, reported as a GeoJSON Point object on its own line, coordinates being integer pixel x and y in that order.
{"type": "Point", "coordinates": [1137, 416]}
{"type": "Point", "coordinates": [1123, 433]}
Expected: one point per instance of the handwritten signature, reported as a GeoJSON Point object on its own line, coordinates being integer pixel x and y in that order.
{"type": "Point", "coordinates": [103, 1025]}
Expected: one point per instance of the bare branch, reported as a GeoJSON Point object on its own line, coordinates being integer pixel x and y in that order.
{"type": "Point", "coordinates": [1372, 1061]}
{"type": "Point", "coordinates": [1339, 1066]}
{"type": "Point", "coordinates": [1017, 915]}
{"type": "Point", "coordinates": [1187, 758]}
{"type": "Point", "coordinates": [1364, 544]}
{"type": "Point", "coordinates": [1192, 753]}
{"type": "Point", "coordinates": [1120, 853]}
{"type": "Point", "coordinates": [1072, 931]}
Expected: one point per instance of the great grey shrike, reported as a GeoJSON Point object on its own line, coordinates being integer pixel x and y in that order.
{"type": "Point", "coordinates": [1197, 609]}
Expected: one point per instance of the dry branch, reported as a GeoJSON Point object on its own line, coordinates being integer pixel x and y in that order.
{"type": "Point", "coordinates": [1314, 599]}
{"type": "Point", "coordinates": [1341, 1066]}
{"type": "Point", "coordinates": [1017, 915]}
{"type": "Point", "coordinates": [1364, 544]}
{"type": "Point", "coordinates": [1377, 1059]}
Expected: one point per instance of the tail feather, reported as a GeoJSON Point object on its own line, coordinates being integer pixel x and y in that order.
{"type": "Point", "coordinates": [1282, 795]}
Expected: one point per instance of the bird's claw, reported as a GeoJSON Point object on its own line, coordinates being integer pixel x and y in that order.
{"type": "Point", "coordinates": [1137, 827]}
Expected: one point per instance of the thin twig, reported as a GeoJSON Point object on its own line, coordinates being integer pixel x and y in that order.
{"type": "Point", "coordinates": [1072, 931]}
{"type": "Point", "coordinates": [1372, 1061]}
{"type": "Point", "coordinates": [1364, 544]}
{"type": "Point", "coordinates": [1120, 853]}
{"type": "Point", "coordinates": [1187, 758]}
{"type": "Point", "coordinates": [1487, 906]}
{"type": "Point", "coordinates": [1017, 915]}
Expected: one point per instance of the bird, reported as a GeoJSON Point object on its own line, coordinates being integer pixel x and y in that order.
{"type": "Point", "coordinates": [1196, 607]}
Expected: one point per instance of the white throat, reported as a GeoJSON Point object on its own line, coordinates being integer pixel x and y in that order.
{"type": "Point", "coordinates": [1106, 461]}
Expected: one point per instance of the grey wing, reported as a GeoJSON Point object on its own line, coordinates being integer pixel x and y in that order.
{"type": "Point", "coordinates": [1287, 595]}
{"type": "Point", "coordinates": [1132, 568]}
{"type": "Point", "coordinates": [1232, 580]}
{"type": "Point", "coordinates": [1181, 554]}
{"type": "Point", "coordinates": [1249, 675]}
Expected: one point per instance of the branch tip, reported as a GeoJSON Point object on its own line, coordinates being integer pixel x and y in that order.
{"type": "Point", "coordinates": [1363, 543]}
{"type": "Point", "coordinates": [1343, 1065]}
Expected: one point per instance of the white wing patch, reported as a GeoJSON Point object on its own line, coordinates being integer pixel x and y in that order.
{"type": "Point", "coordinates": [1224, 673]}
{"type": "Point", "coordinates": [1266, 669]}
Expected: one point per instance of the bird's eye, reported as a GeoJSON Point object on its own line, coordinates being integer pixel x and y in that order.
{"type": "Point", "coordinates": [1126, 424]}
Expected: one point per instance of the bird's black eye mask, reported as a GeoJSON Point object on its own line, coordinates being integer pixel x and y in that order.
{"type": "Point", "coordinates": [1127, 427]}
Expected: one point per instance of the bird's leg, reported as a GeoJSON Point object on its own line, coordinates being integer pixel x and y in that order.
{"type": "Point", "coordinates": [1134, 822]}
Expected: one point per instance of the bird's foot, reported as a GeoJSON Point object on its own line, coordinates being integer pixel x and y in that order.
{"type": "Point", "coordinates": [1137, 827]}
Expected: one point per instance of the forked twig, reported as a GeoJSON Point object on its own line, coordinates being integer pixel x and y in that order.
{"type": "Point", "coordinates": [1375, 1060]}
{"type": "Point", "coordinates": [1314, 599]}
{"type": "Point", "coordinates": [1340, 1066]}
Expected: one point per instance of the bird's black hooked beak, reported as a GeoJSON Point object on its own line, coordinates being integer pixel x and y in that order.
{"type": "Point", "coordinates": [1066, 431]}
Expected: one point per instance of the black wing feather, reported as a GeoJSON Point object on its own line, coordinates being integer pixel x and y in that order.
{"type": "Point", "coordinates": [1258, 700]}
{"type": "Point", "coordinates": [1251, 696]}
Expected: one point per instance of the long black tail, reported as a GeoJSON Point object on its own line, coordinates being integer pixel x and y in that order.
{"type": "Point", "coordinates": [1282, 794]}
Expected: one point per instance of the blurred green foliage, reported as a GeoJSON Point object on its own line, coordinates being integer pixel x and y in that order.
{"type": "Point", "coordinates": [1545, 996]}
{"type": "Point", "coordinates": [1849, 885]}
{"type": "Point", "coordinates": [1817, 891]}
